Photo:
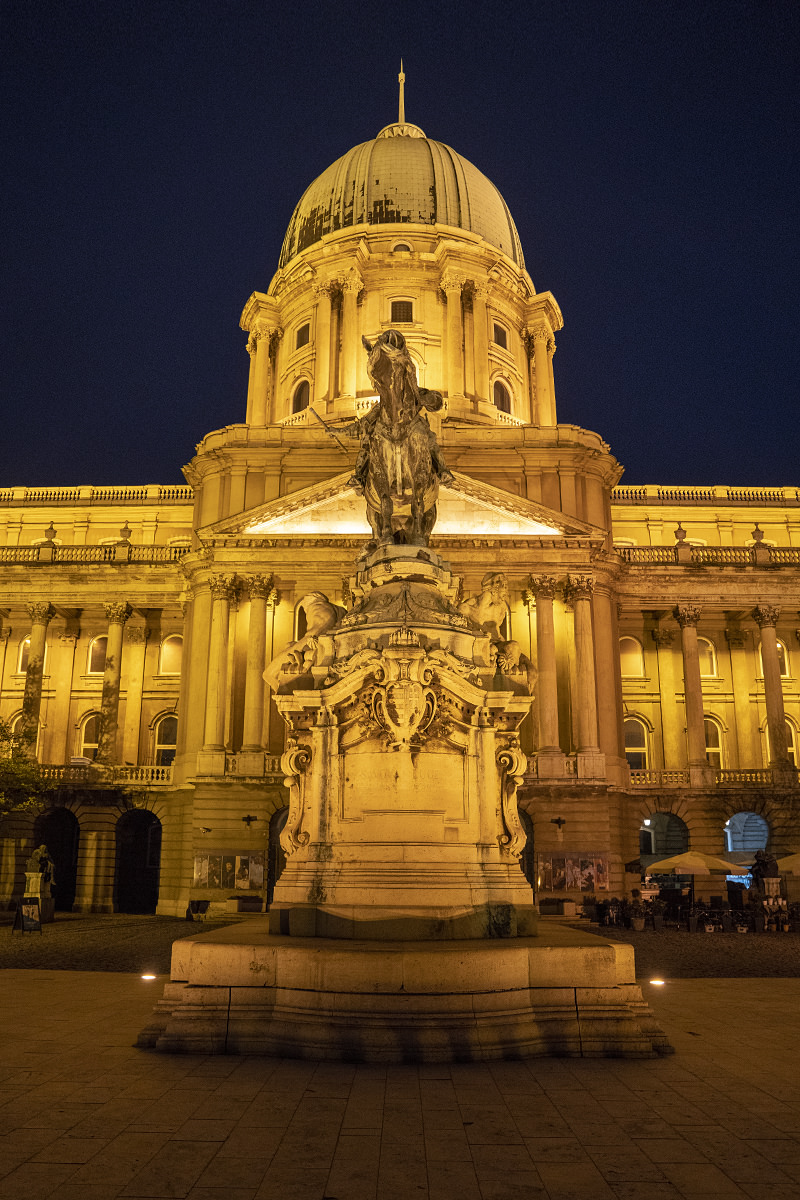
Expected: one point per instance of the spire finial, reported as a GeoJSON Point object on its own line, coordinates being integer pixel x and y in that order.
{"type": "Point", "coordinates": [401, 79]}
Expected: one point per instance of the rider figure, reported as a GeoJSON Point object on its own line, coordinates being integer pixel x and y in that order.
{"type": "Point", "coordinates": [366, 426]}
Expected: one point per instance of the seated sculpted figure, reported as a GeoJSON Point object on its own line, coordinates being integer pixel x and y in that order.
{"type": "Point", "coordinates": [298, 656]}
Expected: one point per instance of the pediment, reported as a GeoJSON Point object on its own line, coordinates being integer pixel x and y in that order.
{"type": "Point", "coordinates": [467, 508]}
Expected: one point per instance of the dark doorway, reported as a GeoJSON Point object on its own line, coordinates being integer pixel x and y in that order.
{"type": "Point", "coordinates": [276, 859]}
{"type": "Point", "coordinates": [59, 830]}
{"type": "Point", "coordinates": [528, 859]}
{"type": "Point", "coordinates": [138, 861]}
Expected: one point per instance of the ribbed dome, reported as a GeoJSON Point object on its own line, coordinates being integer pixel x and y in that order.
{"type": "Point", "coordinates": [399, 177]}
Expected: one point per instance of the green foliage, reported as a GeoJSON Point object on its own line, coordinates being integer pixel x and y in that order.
{"type": "Point", "coordinates": [20, 784]}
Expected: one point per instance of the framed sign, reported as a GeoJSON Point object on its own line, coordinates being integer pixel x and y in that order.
{"type": "Point", "coordinates": [585, 872]}
{"type": "Point", "coordinates": [237, 872]}
{"type": "Point", "coordinates": [28, 917]}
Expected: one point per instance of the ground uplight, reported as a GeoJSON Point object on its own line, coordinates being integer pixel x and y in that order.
{"type": "Point", "coordinates": [658, 982]}
{"type": "Point", "coordinates": [148, 977]}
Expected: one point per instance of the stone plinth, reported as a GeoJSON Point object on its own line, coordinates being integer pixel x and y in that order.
{"type": "Point", "coordinates": [247, 991]}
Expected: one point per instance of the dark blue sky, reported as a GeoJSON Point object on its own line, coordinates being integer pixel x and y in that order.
{"type": "Point", "coordinates": [155, 151]}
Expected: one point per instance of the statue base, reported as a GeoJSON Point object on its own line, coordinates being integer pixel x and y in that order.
{"type": "Point", "coordinates": [247, 991]}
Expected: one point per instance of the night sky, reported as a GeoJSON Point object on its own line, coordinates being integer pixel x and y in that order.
{"type": "Point", "coordinates": [154, 153]}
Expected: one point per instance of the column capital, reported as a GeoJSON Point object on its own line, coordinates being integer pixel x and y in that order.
{"type": "Point", "coordinates": [540, 333]}
{"type": "Point", "coordinates": [252, 342]}
{"type": "Point", "coordinates": [766, 614]}
{"type": "Point", "coordinates": [117, 612]}
{"type": "Point", "coordinates": [138, 635]}
{"type": "Point", "coordinates": [579, 587]}
{"type": "Point", "coordinates": [263, 587]}
{"type": "Point", "coordinates": [452, 281]}
{"type": "Point", "coordinates": [663, 637]}
{"type": "Point", "coordinates": [222, 587]}
{"type": "Point", "coordinates": [686, 614]}
{"type": "Point", "coordinates": [540, 585]}
{"type": "Point", "coordinates": [322, 288]}
{"type": "Point", "coordinates": [736, 637]}
{"type": "Point", "coordinates": [41, 612]}
{"type": "Point", "coordinates": [481, 289]}
{"type": "Point", "coordinates": [263, 329]}
{"type": "Point", "coordinates": [351, 282]}
{"type": "Point", "coordinates": [551, 345]}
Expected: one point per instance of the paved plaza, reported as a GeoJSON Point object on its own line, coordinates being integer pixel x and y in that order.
{"type": "Point", "coordinates": [87, 1116]}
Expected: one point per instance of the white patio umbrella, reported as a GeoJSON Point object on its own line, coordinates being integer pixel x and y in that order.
{"type": "Point", "coordinates": [693, 863]}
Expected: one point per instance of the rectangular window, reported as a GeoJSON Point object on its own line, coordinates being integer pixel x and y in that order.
{"type": "Point", "coordinates": [402, 311]}
{"type": "Point", "coordinates": [500, 336]}
{"type": "Point", "coordinates": [303, 334]}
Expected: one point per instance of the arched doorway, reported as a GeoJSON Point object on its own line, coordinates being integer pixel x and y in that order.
{"type": "Point", "coordinates": [276, 859]}
{"type": "Point", "coordinates": [59, 830]}
{"type": "Point", "coordinates": [138, 863]}
{"type": "Point", "coordinates": [746, 831]}
{"type": "Point", "coordinates": [662, 835]}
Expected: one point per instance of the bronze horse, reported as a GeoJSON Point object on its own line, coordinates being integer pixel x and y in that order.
{"type": "Point", "coordinates": [400, 465]}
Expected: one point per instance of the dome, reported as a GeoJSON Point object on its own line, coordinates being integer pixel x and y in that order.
{"type": "Point", "coordinates": [401, 177]}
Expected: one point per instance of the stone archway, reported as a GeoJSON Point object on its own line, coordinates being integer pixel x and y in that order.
{"type": "Point", "coordinates": [746, 831]}
{"type": "Point", "coordinates": [58, 829]}
{"type": "Point", "coordinates": [661, 835]}
{"type": "Point", "coordinates": [138, 862]}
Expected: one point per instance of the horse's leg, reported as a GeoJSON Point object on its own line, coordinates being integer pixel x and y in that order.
{"type": "Point", "coordinates": [420, 470]}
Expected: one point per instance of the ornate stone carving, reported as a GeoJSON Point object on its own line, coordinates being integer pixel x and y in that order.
{"type": "Point", "coordinates": [663, 637]}
{"type": "Point", "coordinates": [223, 587]}
{"type": "Point", "coordinates": [511, 661]}
{"type": "Point", "coordinates": [736, 637]}
{"type": "Point", "coordinates": [490, 607]}
{"type": "Point", "coordinates": [513, 765]}
{"type": "Point", "coordinates": [579, 587]}
{"type": "Point", "coordinates": [686, 614]}
{"type": "Point", "coordinates": [539, 333]}
{"type": "Point", "coordinates": [452, 281]}
{"type": "Point", "coordinates": [138, 635]}
{"type": "Point", "coordinates": [117, 612]}
{"type": "Point", "coordinates": [351, 282]}
{"type": "Point", "coordinates": [294, 764]}
{"type": "Point", "coordinates": [402, 703]}
{"type": "Point", "coordinates": [263, 587]}
{"type": "Point", "coordinates": [540, 585]}
{"type": "Point", "coordinates": [321, 616]}
{"type": "Point", "coordinates": [262, 329]}
{"type": "Point", "coordinates": [551, 346]}
{"type": "Point", "coordinates": [40, 612]}
{"type": "Point", "coordinates": [766, 614]}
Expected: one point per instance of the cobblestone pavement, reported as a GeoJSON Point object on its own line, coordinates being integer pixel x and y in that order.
{"type": "Point", "coordinates": [84, 1115]}
{"type": "Point", "coordinates": [677, 954]}
{"type": "Point", "coordinates": [94, 942]}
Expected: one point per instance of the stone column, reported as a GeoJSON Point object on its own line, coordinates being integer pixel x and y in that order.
{"type": "Point", "coordinates": [672, 739]}
{"type": "Point", "coordinates": [59, 742]}
{"type": "Point", "coordinates": [549, 756]}
{"type": "Point", "coordinates": [452, 283]}
{"type": "Point", "coordinates": [322, 356]}
{"type": "Point", "coordinates": [580, 588]}
{"type": "Point", "coordinates": [766, 617]}
{"type": "Point", "coordinates": [251, 350]}
{"type": "Point", "coordinates": [41, 613]}
{"type": "Point", "coordinates": [609, 710]}
{"type": "Point", "coordinates": [687, 616]}
{"type": "Point", "coordinates": [222, 591]}
{"type": "Point", "coordinates": [117, 614]}
{"type": "Point", "coordinates": [351, 286]}
{"type": "Point", "coordinates": [135, 658]}
{"type": "Point", "coordinates": [544, 409]}
{"type": "Point", "coordinates": [261, 335]}
{"type": "Point", "coordinates": [746, 722]}
{"type": "Point", "coordinates": [551, 349]}
{"type": "Point", "coordinates": [262, 593]}
{"type": "Point", "coordinates": [480, 340]}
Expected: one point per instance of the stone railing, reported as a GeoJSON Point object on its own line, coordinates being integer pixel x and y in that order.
{"type": "Point", "coordinates": [234, 766]}
{"type": "Point", "coordinates": [120, 552]}
{"type": "Point", "coordinates": [152, 493]}
{"type": "Point", "coordinates": [710, 556]}
{"type": "Point", "coordinates": [108, 776]}
{"type": "Point", "coordinates": [649, 778]}
{"type": "Point", "coordinates": [656, 494]}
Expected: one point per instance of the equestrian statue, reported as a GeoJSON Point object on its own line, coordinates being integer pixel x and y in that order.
{"type": "Point", "coordinates": [400, 464]}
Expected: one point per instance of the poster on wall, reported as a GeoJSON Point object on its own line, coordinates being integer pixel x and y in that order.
{"type": "Point", "coordinates": [577, 872]}
{"type": "Point", "coordinates": [230, 872]}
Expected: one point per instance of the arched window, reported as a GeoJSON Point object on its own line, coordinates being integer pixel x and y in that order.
{"type": "Point", "coordinates": [402, 311]}
{"type": "Point", "coordinates": [713, 732]}
{"type": "Point", "coordinates": [502, 400]}
{"type": "Point", "coordinates": [631, 658]}
{"type": "Point", "coordinates": [166, 739]}
{"type": "Point", "coordinates": [301, 395]}
{"type": "Point", "coordinates": [89, 740]}
{"type": "Point", "coordinates": [303, 335]}
{"type": "Point", "coordinates": [661, 835]}
{"type": "Point", "coordinates": [783, 660]}
{"type": "Point", "coordinates": [170, 655]}
{"type": "Point", "coordinates": [635, 732]}
{"type": "Point", "coordinates": [22, 655]}
{"type": "Point", "coordinates": [96, 659]}
{"type": "Point", "coordinates": [401, 246]}
{"type": "Point", "coordinates": [708, 657]}
{"type": "Point", "coordinates": [746, 831]}
{"type": "Point", "coordinates": [500, 336]}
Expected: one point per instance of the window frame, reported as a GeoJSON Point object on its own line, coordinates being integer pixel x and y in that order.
{"type": "Point", "coordinates": [304, 328]}
{"type": "Point", "coordinates": [786, 672]}
{"type": "Point", "coordinates": [397, 320]}
{"type": "Point", "coordinates": [710, 720]}
{"type": "Point", "coordinates": [714, 659]}
{"type": "Point", "coordinates": [644, 749]}
{"type": "Point", "coordinates": [497, 326]}
{"type": "Point", "coordinates": [501, 383]}
{"type": "Point", "coordinates": [159, 746]}
{"type": "Point", "coordinates": [302, 383]}
{"type": "Point", "coordinates": [82, 743]}
{"type": "Point", "coordinates": [629, 637]}
{"type": "Point", "coordinates": [101, 637]}
{"type": "Point", "coordinates": [170, 637]}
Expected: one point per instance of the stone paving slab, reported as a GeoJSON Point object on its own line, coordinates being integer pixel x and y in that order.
{"type": "Point", "coordinates": [87, 1116]}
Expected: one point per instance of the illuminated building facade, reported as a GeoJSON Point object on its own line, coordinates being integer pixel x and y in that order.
{"type": "Point", "coordinates": [136, 622]}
